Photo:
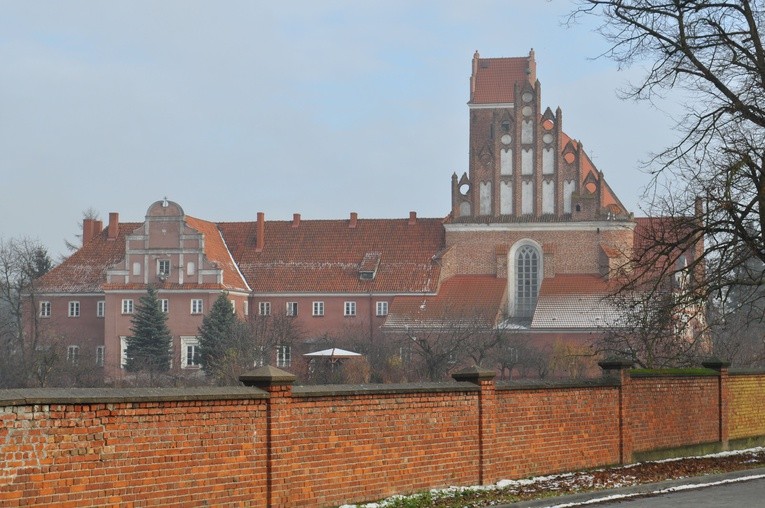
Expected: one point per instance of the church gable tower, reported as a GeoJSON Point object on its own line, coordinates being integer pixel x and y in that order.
{"type": "Point", "coordinates": [522, 166]}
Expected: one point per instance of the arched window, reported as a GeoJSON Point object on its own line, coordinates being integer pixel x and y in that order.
{"type": "Point", "coordinates": [526, 280]}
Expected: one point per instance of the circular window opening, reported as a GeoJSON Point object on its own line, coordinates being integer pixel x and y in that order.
{"type": "Point", "coordinates": [548, 124]}
{"type": "Point", "coordinates": [527, 97]}
{"type": "Point", "coordinates": [464, 189]}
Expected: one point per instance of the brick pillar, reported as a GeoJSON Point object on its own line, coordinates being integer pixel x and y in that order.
{"type": "Point", "coordinates": [279, 455]}
{"type": "Point", "coordinates": [617, 369]}
{"type": "Point", "coordinates": [723, 388]}
{"type": "Point", "coordinates": [487, 431]}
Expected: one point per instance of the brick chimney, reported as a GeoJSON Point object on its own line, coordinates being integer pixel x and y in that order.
{"type": "Point", "coordinates": [114, 225]}
{"type": "Point", "coordinates": [260, 238]}
{"type": "Point", "coordinates": [354, 218]}
{"type": "Point", "coordinates": [88, 230]}
{"type": "Point", "coordinates": [412, 218]}
{"type": "Point", "coordinates": [295, 220]}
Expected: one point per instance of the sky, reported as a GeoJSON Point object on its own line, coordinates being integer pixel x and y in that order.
{"type": "Point", "coordinates": [319, 108]}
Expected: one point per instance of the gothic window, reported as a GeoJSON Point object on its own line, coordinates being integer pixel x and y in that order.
{"type": "Point", "coordinates": [526, 280]}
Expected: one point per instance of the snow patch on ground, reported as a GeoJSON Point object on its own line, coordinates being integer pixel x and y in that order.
{"type": "Point", "coordinates": [559, 481]}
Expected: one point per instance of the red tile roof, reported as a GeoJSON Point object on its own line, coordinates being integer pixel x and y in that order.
{"type": "Point", "coordinates": [495, 79]}
{"type": "Point", "coordinates": [324, 256]}
{"type": "Point", "coordinates": [85, 270]}
{"type": "Point", "coordinates": [478, 298]}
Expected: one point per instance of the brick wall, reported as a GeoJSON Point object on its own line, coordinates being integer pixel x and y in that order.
{"type": "Point", "coordinates": [669, 412]}
{"type": "Point", "coordinates": [274, 445]}
{"type": "Point", "coordinates": [541, 431]}
{"type": "Point", "coordinates": [747, 406]}
{"type": "Point", "coordinates": [171, 452]}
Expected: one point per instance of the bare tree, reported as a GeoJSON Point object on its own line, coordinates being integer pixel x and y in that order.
{"type": "Point", "coordinates": [710, 183]}
{"type": "Point", "coordinates": [22, 262]}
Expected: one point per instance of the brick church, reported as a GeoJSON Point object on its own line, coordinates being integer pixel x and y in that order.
{"type": "Point", "coordinates": [533, 234]}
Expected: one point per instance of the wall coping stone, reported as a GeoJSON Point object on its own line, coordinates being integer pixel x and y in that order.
{"type": "Point", "coordinates": [746, 372]}
{"type": "Point", "coordinates": [382, 389]}
{"type": "Point", "coordinates": [670, 373]}
{"type": "Point", "coordinates": [538, 384]}
{"type": "Point", "coordinates": [30, 396]}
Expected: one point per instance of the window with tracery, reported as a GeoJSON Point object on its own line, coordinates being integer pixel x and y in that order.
{"type": "Point", "coordinates": [526, 280]}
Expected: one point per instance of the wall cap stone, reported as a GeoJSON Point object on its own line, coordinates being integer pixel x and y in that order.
{"type": "Point", "coordinates": [615, 363]}
{"type": "Point", "coordinates": [267, 376]}
{"type": "Point", "coordinates": [474, 374]}
{"type": "Point", "coordinates": [715, 363]}
{"type": "Point", "coordinates": [381, 389]}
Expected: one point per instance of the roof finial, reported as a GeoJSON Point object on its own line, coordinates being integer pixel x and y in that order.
{"type": "Point", "coordinates": [164, 202]}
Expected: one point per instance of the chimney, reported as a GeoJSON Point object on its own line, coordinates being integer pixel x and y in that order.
{"type": "Point", "coordinates": [295, 220]}
{"type": "Point", "coordinates": [88, 230]}
{"type": "Point", "coordinates": [260, 237]}
{"type": "Point", "coordinates": [354, 217]}
{"type": "Point", "coordinates": [412, 218]}
{"type": "Point", "coordinates": [114, 225]}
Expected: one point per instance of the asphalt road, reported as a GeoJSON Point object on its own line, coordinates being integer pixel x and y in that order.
{"type": "Point", "coordinates": [727, 489]}
{"type": "Point", "coordinates": [749, 493]}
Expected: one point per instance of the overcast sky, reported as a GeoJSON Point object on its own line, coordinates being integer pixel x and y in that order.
{"type": "Point", "coordinates": [317, 107]}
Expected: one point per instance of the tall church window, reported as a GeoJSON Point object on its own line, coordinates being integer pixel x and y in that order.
{"type": "Point", "coordinates": [526, 280]}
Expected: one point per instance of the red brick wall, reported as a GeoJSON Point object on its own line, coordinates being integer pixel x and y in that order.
{"type": "Point", "coordinates": [382, 445]}
{"type": "Point", "coordinates": [747, 406]}
{"type": "Point", "coordinates": [320, 446]}
{"type": "Point", "coordinates": [668, 412]}
{"type": "Point", "coordinates": [99, 454]}
{"type": "Point", "coordinates": [542, 431]}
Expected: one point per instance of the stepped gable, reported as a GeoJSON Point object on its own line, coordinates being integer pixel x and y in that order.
{"type": "Point", "coordinates": [85, 270]}
{"type": "Point", "coordinates": [472, 300]}
{"type": "Point", "coordinates": [326, 256]}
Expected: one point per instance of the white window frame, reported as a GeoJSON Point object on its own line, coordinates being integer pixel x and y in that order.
{"type": "Point", "coordinates": [197, 306]}
{"type": "Point", "coordinates": [100, 352]}
{"type": "Point", "coordinates": [317, 309]}
{"type": "Point", "coordinates": [264, 308]}
{"type": "Point", "coordinates": [127, 306]}
{"type": "Point", "coordinates": [100, 308]}
{"type": "Point", "coordinates": [74, 308]}
{"type": "Point", "coordinates": [73, 354]}
{"type": "Point", "coordinates": [283, 356]}
{"type": "Point", "coordinates": [349, 309]}
{"type": "Point", "coordinates": [164, 305]}
{"type": "Point", "coordinates": [292, 309]}
{"type": "Point", "coordinates": [186, 343]}
{"type": "Point", "coordinates": [233, 306]}
{"type": "Point", "coordinates": [123, 351]}
{"type": "Point", "coordinates": [163, 267]}
{"type": "Point", "coordinates": [381, 308]}
{"type": "Point", "coordinates": [45, 309]}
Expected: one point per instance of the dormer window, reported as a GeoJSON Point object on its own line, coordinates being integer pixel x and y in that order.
{"type": "Point", "coordinates": [368, 266]}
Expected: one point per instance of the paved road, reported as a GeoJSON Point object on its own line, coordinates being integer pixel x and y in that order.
{"type": "Point", "coordinates": [745, 493]}
{"type": "Point", "coordinates": [732, 490]}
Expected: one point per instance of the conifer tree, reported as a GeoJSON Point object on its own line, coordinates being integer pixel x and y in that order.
{"type": "Point", "coordinates": [148, 349]}
{"type": "Point", "coordinates": [217, 337]}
